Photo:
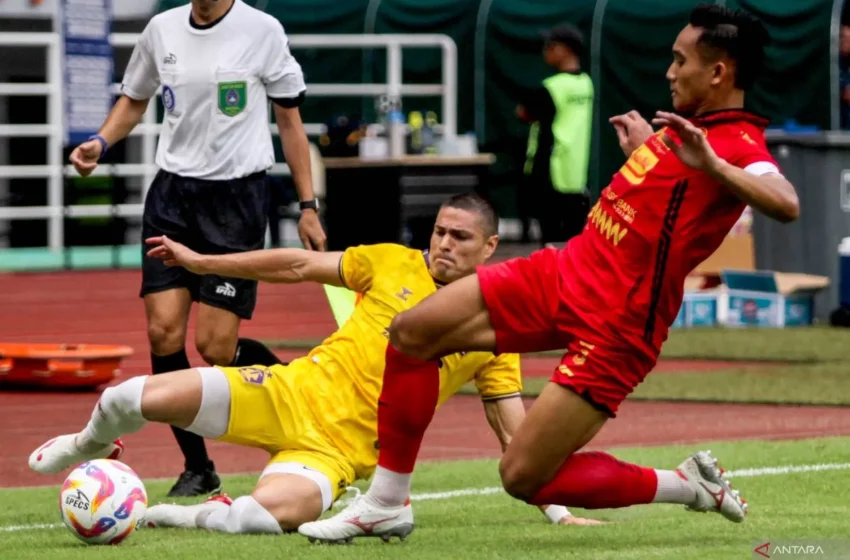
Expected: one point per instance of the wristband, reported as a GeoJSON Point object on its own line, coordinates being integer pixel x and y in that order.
{"type": "Point", "coordinates": [103, 144]}
{"type": "Point", "coordinates": [556, 513]}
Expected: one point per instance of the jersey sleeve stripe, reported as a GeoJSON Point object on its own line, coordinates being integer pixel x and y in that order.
{"type": "Point", "coordinates": [760, 168]}
{"type": "Point", "coordinates": [132, 94]}
{"type": "Point", "coordinates": [340, 272]}
{"type": "Point", "coordinates": [662, 255]}
{"type": "Point", "coordinates": [493, 398]}
{"type": "Point", "coordinates": [289, 102]}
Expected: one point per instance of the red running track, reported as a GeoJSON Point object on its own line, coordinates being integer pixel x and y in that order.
{"type": "Point", "coordinates": [103, 307]}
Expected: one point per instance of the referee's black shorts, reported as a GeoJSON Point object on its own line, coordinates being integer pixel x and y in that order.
{"type": "Point", "coordinates": [211, 217]}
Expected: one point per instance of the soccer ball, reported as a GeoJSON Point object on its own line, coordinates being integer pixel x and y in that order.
{"type": "Point", "coordinates": [102, 501]}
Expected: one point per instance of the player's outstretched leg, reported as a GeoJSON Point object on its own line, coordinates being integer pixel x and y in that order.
{"type": "Point", "coordinates": [449, 320]}
{"type": "Point", "coordinates": [171, 398]}
{"type": "Point", "coordinates": [559, 423]}
{"type": "Point", "coordinates": [280, 502]}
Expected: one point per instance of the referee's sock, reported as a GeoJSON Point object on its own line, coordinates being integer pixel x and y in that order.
{"type": "Point", "coordinates": [192, 445]}
{"type": "Point", "coordinates": [251, 352]}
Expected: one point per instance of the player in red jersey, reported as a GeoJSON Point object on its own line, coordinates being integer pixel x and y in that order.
{"type": "Point", "coordinates": [608, 297]}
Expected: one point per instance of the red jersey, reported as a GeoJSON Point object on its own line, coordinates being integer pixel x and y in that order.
{"type": "Point", "coordinates": [656, 221]}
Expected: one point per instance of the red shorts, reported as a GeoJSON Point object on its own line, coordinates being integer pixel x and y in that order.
{"type": "Point", "coordinates": [526, 310]}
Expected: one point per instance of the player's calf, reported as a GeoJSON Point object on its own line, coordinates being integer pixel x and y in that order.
{"type": "Point", "coordinates": [292, 499]}
{"type": "Point", "coordinates": [173, 398]}
{"type": "Point", "coordinates": [118, 412]}
{"type": "Point", "coordinates": [244, 515]}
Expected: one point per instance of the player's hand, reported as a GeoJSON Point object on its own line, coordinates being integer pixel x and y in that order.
{"type": "Point", "coordinates": [310, 231]}
{"type": "Point", "coordinates": [693, 149]}
{"type": "Point", "coordinates": [84, 157]}
{"type": "Point", "coordinates": [174, 253]}
{"type": "Point", "coordinates": [632, 131]}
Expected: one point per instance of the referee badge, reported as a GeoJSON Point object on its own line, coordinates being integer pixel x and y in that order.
{"type": "Point", "coordinates": [232, 97]}
{"type": "Point", "coordinates": [168, 98]}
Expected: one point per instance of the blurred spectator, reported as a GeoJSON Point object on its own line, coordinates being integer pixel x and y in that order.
{"type": "Point", "coordinates": [560, 113]}
{"type": "Point", "coordinates": [844, 75]}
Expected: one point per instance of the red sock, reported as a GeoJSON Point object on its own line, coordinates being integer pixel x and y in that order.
{"type": "Point", "coordinates": [405, 409]}
{"type": "Point", "coordinates": [595, 480]}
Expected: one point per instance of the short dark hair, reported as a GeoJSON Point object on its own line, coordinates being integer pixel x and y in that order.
{"type": "Point", "coordinates": [567, 35]}
{"type": "Point", "coordinates": [472, 202]}
{"type": "Point", "coordinates": [735, 33]}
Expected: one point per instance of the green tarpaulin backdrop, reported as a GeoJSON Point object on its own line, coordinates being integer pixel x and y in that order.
{"type": "Point", "coordinates": [499, 50]}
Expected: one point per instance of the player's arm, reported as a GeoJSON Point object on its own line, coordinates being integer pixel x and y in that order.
{"type": "Point", "coordinates": [632, 131]}
{"type": "Point", "coordinates": [538, 106]}
{"type": "Point", "coordinates": [122, 119]}
{"type": "Point", "coordinates": [296, 148]}
{"type": "Point", "coordinates": [763, 189]}
{"type": "Point", "coordinates": [499, 384]}
{"type": "Point", "coordinates": [766, 191]}
{"type": "Point", "coordinates": [138, 86]}
{"type": "Point", "coordinates": [141, 80]}
{"type": "Point", "coordinates": [288, 266]}
{"type": "Point", "coordinates": [284, 83]}
{"type": "Point", "coordinates": [504, 416]}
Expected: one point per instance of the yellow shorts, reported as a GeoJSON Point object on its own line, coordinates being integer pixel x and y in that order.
{"type": "Point", "coordinates": [268, 410]}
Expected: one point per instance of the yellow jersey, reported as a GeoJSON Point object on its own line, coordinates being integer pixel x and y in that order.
{"type": "Point", "coordinates": [348, 367]}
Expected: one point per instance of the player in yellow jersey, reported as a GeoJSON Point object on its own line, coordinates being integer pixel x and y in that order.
{"type": "Point", "coordinates": [317, 416]}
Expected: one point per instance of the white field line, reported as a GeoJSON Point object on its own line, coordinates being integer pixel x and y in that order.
{"type": "Point", "coordinates": [463, 492]}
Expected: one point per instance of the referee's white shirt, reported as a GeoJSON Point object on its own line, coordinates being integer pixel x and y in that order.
{"type": "Point", "coordinates": [215, 84]}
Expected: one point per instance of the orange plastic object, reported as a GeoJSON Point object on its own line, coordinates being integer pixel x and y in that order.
{"type": "Point", "coordinates": [60, 366]}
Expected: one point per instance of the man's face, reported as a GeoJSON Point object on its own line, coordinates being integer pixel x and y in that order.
{"type": "Point", "coordinates": [459, 243]}
{"type": "Point", "coordinates": [553, 53]}
{"type": "Point", "coordinates": [692, 77]}
{"type": "Point", "coordinates": [844, 40]}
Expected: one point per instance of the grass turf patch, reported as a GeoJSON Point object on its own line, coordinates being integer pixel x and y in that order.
{"type": "Point", "coordinates": [799, 384]}
{"type": "Point", "coordinates": [790, 505]}
{"type": "Point", "coordinates": [797, 345]}
{"type": "Point", "coordinates": [810, 367]}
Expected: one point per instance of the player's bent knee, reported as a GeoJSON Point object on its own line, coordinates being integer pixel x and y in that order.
{"type": "Point", "coordinates": [406, 337]}
{"type": "Point", "coordinates": [166, 337]}
{"type": "Point", "coordinates": [216, 350]}
{"type": "Point", "coordinates": [289, 512]}
{"type": "Point", "coordinates": [518, 481]}
{"type": "Point", "coordinates": [216, 353]}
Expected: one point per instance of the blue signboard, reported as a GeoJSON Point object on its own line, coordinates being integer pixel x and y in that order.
{"type": "Point", "coordinates": [87, 66]}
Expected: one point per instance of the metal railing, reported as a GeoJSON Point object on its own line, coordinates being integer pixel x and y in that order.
{"type": "Point", "coordinates": [56, 170]}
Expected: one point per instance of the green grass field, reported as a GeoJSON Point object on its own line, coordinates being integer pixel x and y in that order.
{"type": "Point", "coordinates": [806, 345]}
{"type": "Point", "coordinates": [799, 505]}
{"type": "Point", "coordinates": [797, 366]}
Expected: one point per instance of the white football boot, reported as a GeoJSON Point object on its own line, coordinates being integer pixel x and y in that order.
{"type": "Point", "coordinates": [363, 518]}
{"type": "Point", "coordinates": [184, 517]}
{"type": "Point", "coordinates": [61, 453]}
{"type": "Point", "coordinates": [713, 492]}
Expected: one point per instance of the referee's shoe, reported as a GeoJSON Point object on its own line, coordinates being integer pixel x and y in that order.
{"type": "Point", "coordinates": [196, 483]}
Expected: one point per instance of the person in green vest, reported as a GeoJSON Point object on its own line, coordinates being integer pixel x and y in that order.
{"type": "Point", "coordinates": [560, 113]}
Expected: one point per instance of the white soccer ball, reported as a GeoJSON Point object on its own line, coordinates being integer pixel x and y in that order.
{"type": "Point", "coordinates": [102, 501]}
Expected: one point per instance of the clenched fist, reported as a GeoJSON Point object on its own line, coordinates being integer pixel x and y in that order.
{"type": "Point", "coordinates": [85, 156]}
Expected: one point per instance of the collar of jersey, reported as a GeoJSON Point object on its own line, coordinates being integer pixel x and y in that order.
{"type": "Point", "coordinates": [428, 266]}
{"type": "Point", "coordinates": [729, 115]}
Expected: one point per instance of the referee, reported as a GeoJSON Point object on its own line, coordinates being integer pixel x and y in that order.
{"type": "Point", "coordinates": [218, 62]}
